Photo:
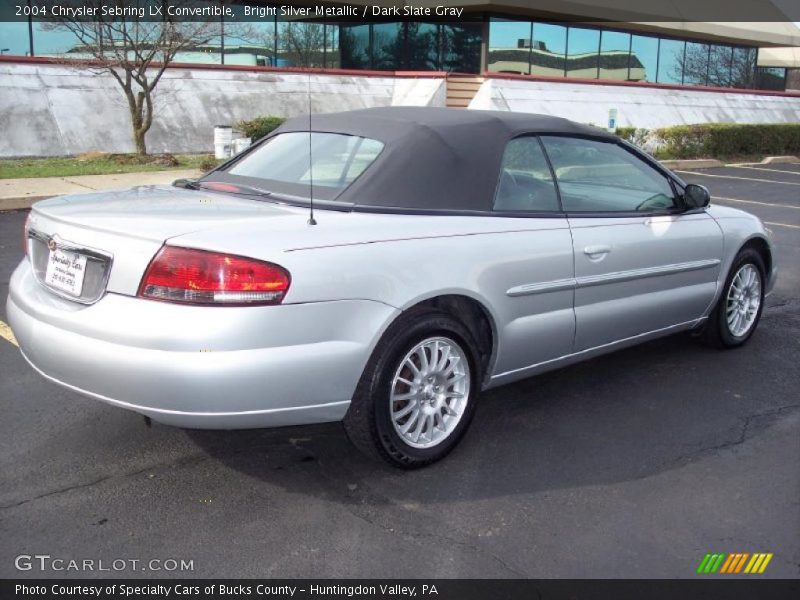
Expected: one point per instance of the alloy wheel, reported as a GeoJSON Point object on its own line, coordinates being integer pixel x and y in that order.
{"type": "Point", "coordinates": [743, 300]}
{"type": "Point", "coordinates": [429, 392]}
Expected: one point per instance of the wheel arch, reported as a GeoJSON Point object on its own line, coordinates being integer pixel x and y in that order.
{"type": "Point", "coordinates": [762, 246]}
{"type": "Point", "coordinates": [473, 313]}
{"type": "Point", "coordinates": [758, 242]}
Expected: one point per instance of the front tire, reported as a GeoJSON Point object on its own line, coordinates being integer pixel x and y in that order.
{"type": "Point", "coordinates": [417, 394]}
{"type": "Point", "coordinates": [739, 307]}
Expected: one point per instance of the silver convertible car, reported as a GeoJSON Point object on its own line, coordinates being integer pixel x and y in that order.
{"type": "Point", "coordinates": [446, 252]}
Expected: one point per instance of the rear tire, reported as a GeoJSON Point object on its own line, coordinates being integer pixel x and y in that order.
{"type": "Point", "coordinates": [738, 310]}
{"type": "Point", "coordinates": [417, 394]}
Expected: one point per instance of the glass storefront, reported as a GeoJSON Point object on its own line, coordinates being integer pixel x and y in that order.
{"type": "Point", "coordinates": [513, 46]}
{"type": "Point", "coordinates": [421, 46]}
{"type": "Point", "coordinates": [556, 50]}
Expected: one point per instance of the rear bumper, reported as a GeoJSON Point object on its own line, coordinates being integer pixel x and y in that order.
{"type": "Point", "coordinates": [200, 367]}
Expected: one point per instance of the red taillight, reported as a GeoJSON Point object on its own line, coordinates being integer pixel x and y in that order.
{"type": "Point", "coordinates": [201, 277]}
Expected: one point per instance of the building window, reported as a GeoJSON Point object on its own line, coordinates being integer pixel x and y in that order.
{"type": "Point", "coordinates": [549, 50]}
{"type": "Point", "coordinates": [405, 47]}
{"type": "Point", "coordinates": [209, 50]}
{"type": "Point", "coordinates": [695, 63]}
{"type": "Point", "coordinates": [461, 47]}
{"type": "Point", "coordinates": [421, 47]}
{"type": "Point", "coordinates": [615, 48]}
{"type": "Point", "coordinates": [333, 59]}
{"type": "Point", "coordinates": [670, 61]}
{"type": "Point", "coordinates": [53, 40]}
{"type": "Point", "coordinates": [771, 78]}
{"type": "Point", "coordinates": [301, 44]}
{"type": "Point", "coordinates": [387, 44]}
{"type": "Point", "coordinates": [509, 46]}
{"type": "Point", "coordinates": [14, 40]}
{"type": "Point", "coordinates": [644, 58]}
{"type": "Point", "coordinates": [249, 42]}
{"type": "Point", "coordinates": [354, 46]}
{"type": "Point", "coordinates": [583, 53]}
{"type": "Point", "coordinates": [411, 46]}
{"type": "Point", "coordinates": [743, 68]}
{"type": "Point", "coordinates": [720, 64]}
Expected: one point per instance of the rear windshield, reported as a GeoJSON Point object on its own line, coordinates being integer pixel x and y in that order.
{"type": "Point", "coordinates": [282, 164]}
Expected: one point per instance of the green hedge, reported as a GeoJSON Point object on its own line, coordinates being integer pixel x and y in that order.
{"type": "Point", "coordinates": [260, 126]}
{"type": "Point", "coordinates": [727, 140]}
{"type": "Point", "coordinates": [626, 133]}
{"type": "Point", "coordinates": [719, 140]}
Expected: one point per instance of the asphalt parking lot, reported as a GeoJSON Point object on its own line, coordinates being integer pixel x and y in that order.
{"type": "Point", "coordinates": [631, 465]}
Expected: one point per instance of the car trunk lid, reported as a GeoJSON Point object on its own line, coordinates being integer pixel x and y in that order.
{"type": "Point", "coordinates": [83, 245]}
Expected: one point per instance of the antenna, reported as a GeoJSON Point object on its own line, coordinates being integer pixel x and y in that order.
{"type": "Point", "coordinates": [311, 220]}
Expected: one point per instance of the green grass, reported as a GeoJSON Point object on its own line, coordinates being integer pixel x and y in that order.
{"type": "Point", "coordinates": [100, 164]}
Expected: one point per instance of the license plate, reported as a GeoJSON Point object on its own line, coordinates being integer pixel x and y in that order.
{"type": "Point", "coordinates": [65, 271]}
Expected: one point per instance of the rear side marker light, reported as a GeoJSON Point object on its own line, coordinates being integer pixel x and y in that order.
{"type": "Point", "coordinates": [190, 276]}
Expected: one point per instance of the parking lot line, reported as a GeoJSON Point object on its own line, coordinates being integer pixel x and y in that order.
{"type": "Point", "coordinates": [755, 202]}
{"type": "Point", "coordinates": [781, 224]}
{"type": "Point", "coordinates": [735, 177]}
{"type": "Point", "coordinates": [763, 169]}
{"type": "Point", "coordinates": [7, 334]}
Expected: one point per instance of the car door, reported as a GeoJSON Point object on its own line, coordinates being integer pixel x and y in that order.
{"type": "Point", "coordinates": [530, 284]}
{"type": "Point", "coordinates": [642, 263]}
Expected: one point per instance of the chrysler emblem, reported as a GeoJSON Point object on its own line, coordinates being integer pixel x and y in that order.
{"type": "Point", "coordinates": [52, 245]}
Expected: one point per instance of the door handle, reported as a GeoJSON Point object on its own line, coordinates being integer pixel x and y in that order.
{"type": "Point", "coordinates": [594, 251]}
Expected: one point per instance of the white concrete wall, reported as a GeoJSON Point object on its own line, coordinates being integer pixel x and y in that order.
{"type": "Point", "coordinates": [637, 106]}
{"type": "Point", "coordinates": [54, 110]}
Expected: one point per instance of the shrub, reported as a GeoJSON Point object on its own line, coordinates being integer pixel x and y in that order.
{"type": "Point", "coordinates": [716, 140]}
{"type": "Point", "coordinates": [626, 133]}
{"type": "Point", "coordinates": [260, 126]}
{"type": "Point", "coordinates": [208, 162]}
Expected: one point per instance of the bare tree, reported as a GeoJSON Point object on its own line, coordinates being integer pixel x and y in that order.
{"type": "Point", "coordinates": [135, 52]}
{"type": "Point", "coordinates": [718, 66]}
{"type": "Point", "coordinates": [303, 43]}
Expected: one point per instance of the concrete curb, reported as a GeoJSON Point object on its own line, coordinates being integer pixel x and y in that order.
{"type": "Point", "coordinates": [688, 165]}
{"type": "Point", "coordinates": [778, 160]}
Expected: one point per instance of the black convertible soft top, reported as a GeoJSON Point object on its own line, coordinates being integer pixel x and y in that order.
{"type": "Point", "coordinates": [433, 158]}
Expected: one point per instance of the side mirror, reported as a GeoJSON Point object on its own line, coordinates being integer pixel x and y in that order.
{"type": "Point", "coordinates": [696, 196]}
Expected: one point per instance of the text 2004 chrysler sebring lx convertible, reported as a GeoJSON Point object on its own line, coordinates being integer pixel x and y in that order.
{"type": "Point", "coordinates": [453, 251]}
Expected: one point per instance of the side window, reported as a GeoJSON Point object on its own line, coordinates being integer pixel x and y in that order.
{"type": "Point", "coordinates": [598, 176]}
{"type": "Point", "coordinates": [525, 183]}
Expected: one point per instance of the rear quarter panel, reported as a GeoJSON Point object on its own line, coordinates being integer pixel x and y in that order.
{"type": "Point", "coordinates": [401, 260]}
